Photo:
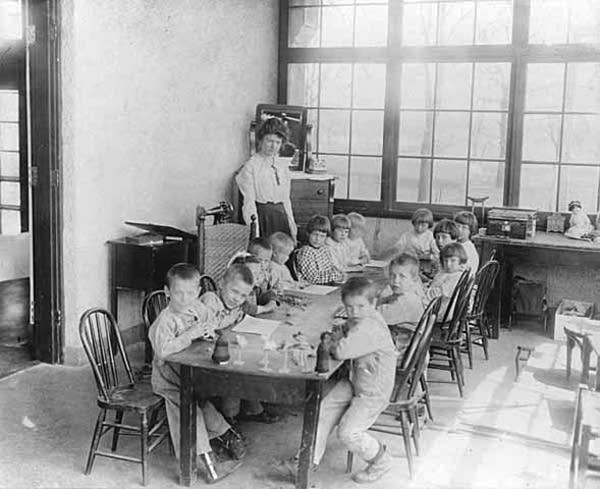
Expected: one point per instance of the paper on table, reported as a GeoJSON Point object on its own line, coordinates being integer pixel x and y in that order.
{"type": "Point", "coordinates": [312, 290]}
{"type": "Point", "coordinates": [376, 264]}
{"type": "Point", "coordinates": [252, 325]}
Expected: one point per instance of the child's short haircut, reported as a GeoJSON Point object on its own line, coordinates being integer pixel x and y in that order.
{"type": "Point", "coordinates": [280, 238]}
{"type": "Point", "coordinates": [318, 223]}
{"type": "Point", "coordinates": [422, 215]}
{"type": "Point", "coordinates": [358, 286]}
{"type": "Point", "coordinates": [239, 271]}
{"type": "Point", "coordinates": [468, 218]}
{"type": "Point", "coordinates": [357, 220]}
{"type": "Point", "coordinates": [453, 249]}
{"type": "Point", "coordinates": [404, 259]}
{"type": "Point", "coordinates": [182, 271]}
{"type": "Point", "coordinates": [448, 227]}
{"type": "Point", "coordinates": [262, 243]}
{"type": "Point", "coordinates": [340, 221]}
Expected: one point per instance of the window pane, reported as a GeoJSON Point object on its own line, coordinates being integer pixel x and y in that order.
{"type": "Point", "coordinates": [9, 106]}
{"type": "Point", "coordinates": [335, 85]}
{"type": "Point", "coordinates": [456, 23]}
{"type": "Point", "coordinates": [338, 166]}
{"type": "Point", "coordinates": [544, 86]}
{"type": "Point", "coordinates": [367, 132]}
{"type": "Point", "coordinates": [334, 131]}
{"type": "Point", "coordinates": [365, 178]}
{"type": "Point", "coordinates": [581, 141]}
{"type": "Point", "coordinates": [548, 22]}
{"type": "Point", "coordinates": [584, 21]}
{"type": "Point", "coordinates": [583, 87]}
{"type": "Point", "coordinates": [541, 135]}
{"type": "Point", "coordinates": [9, 164]}
{"type": "Point", "coordinates": [487, 178]}
{"type": "Point", "coordinates": [311, 118]}
{"type": "Point", "coordinates": [303, 84]}
{"type": "Point", "coordinates": [416, 133]}
{"type": "Point", "coordinates": [488, 135]}
{"type": "Point", "coordinates": [538, 187]}
{"type": "Point", "coordinates": [337, 26]}
{"type": "Point", "coordinates": [9, 136]}
{"type": "Point", "coordinates": [11, 22]}
{"type": "Point", "coordinates": [494, 22]}
{"type": "Point", "coordinates": [579, 183]}
{"type": "Point", "coordinates": [417, 85]}
{"type": "Point", "coordinates": [449, 182]}
{"type": "Point", "coordinates": [492, 84]}
{"type": "Point", "coordinates": [419, 23]}
{"type": "Point", "coordinates": [413, 180]}
{"type": "Point", "coordinates": [304, 27]}
{"type": "Point", "coordinates": [371, 26]}
{"type": "Point", "coordinates": [451, 134]}
{"type": "Point", "coordinates": [454, 86]}
{"type": "Point", "coordinates": [10, 193]}
{"type": "Point", "coordinates": [10, 222]}
{"type": "Point", "coordinates": [369, 86]}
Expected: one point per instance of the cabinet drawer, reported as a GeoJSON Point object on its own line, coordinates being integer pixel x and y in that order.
{"type": "Point", "coordinates": [304, 210]}
{"type": "Point", "coordinates": [310, 189]}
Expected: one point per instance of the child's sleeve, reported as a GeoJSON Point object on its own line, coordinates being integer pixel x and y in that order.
{"type": "Point", "coordinates": [245, 182]}
{"type": "Point", "coordinates": [317, 269]}
{"type": "Point", "coordinates": [164, 338]}
{"type": "Point", "coordinates": [360, 340]}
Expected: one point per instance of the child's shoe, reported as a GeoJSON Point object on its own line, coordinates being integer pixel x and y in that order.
{"type": "Point", "coordinates": [380, 465]}
{"type": "Point", "coordinates": [231, 443]}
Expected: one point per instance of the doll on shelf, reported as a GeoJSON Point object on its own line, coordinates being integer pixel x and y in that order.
{"type": "Point", "coordinates": [579, 222]}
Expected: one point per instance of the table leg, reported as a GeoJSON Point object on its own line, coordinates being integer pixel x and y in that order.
{"type": "Point", "coordinates": [309, 432]}
{"type": "Point", "coordinates": [187, 414]}
{"type": "Point", "coordinates": [597, 385]}
{"type": "Point", "coordinates": [586, 353]}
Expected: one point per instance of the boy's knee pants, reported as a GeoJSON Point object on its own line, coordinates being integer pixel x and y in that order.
{"type": "Point", "coordinates": [353, 416]}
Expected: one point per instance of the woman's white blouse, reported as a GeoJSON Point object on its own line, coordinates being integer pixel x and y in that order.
{"type": "Point", "coordinates": [264, 179]}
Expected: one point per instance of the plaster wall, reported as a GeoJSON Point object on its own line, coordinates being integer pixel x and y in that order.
{"type": "Point", "coordinates": [14, 256]}
{"type": "Point", "coordinates": [156, 104]}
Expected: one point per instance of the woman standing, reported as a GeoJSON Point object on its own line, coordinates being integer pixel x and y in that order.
{"type": "Point", "coordinates": [264, 181]}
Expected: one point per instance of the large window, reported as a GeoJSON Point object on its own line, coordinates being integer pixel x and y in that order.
{"type": "Point", "coordinates": [430, 101]}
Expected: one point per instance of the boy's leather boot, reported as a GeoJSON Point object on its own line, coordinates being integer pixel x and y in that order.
{"type": "Point", "coordinates": [377, 467]}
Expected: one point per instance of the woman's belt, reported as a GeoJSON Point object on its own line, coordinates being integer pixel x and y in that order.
{"type": "Point", "coordinates": [269, 203]}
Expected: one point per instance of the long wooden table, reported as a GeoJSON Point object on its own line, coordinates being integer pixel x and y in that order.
{"type": "Point", "coordinates": [200, 375]}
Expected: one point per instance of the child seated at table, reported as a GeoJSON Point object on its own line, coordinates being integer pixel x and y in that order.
{"type": "Point", "coordinates": [283, 245]}
{"type": "Point", "coordinates": [338, 241]}
{"type": "Point", "coordinates": [453, 259]}
{"type": "Point", "coordinates": [467, 226]}
{"type": "Point", "coordinates": [444, 232]}
{"type": "Point", "coordinates": [186, 319]}
{"type": "Point", "coordinates": [401, 302]}
{"type": "Point", "coordinates": [419, 240]}
{"type": "Point", "coordinates": [228, 307]}
{"type": "Point", "coordinates": [358, 250]}
{"type": "Point", "coordinates": [263, 297]}
{"type": "Point", "coordinates": [354, 405]}
{"type": "Point", "coordinates": [315, 263]}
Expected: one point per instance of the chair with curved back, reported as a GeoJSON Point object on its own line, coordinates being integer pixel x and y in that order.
{"type": "Point", "coordinates": [445, 346]}
{"type": "Point", "coordinates": [104, 347]}
{"type": "Point", "coordinates": [153, 304]}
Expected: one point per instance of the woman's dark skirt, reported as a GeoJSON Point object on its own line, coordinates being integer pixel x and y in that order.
{"type": "Point", "coordinates": [272, 218]}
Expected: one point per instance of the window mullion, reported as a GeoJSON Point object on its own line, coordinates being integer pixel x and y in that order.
{"type": "Point", "coordinates": [391, 123]}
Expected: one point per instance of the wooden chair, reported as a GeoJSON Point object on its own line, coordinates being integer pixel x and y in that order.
{"type": "Point", "coordinates": [103, 346]}
{"type": "Point", "coordinates": [586, 427]}
{"type": "Point", "coordinates": [445, 346]}
{"type": "Point", "coordinates": [401, 416]}
{"type": "Point", "coordinates": [153, 304]}
{"type": "Point", "coordinates": [476, 326]}
{"type": "Point", "coordinates": [580, 339]}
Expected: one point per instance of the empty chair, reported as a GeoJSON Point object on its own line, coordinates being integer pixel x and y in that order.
{"type": "Point", "coordinates": [118, 392]}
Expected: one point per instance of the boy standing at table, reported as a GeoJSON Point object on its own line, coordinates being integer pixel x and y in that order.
{"type": "Point", "coordinates": [186, 319]}
{"type": "Point", "coordinates": [354, 405]}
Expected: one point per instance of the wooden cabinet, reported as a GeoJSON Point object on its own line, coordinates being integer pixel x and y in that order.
{"type": "Point", "coordinates": [311, 195]}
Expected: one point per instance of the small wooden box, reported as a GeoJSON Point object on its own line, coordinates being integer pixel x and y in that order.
{"type": "Point", "coordinates": [511, 223]}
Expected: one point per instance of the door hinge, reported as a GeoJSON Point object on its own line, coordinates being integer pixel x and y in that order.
{"type": "Point", "coordinates": [54, 178]}
{"type": "Point", "coordinates": [33, 176]}
{"type": "Point", "coordinates": [30, 35]}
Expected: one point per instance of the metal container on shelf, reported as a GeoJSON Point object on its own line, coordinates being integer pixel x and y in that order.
{"type": "Point", "coordinates": [510, 223]}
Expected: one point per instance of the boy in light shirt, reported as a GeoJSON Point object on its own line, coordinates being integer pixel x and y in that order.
{"type": "Point", "coordinates": [282, 245]}
{"type": "Point", "coordinates": [339, 243]}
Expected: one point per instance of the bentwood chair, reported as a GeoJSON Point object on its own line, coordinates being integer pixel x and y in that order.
{"type": "Point", "coordinates": [401, 416]}
{"type": "Point", "coordinates": [445, 346]}
{"type": "Point", "coordinates": [118, 392]}
{"type": "Point", "coordinates": [586, 430]}
{"type": "Point", "coordinates": [476, 325]}
{"type": "Point", "coordinates": [153, 304]}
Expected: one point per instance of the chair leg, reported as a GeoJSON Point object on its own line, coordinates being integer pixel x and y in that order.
{"type": "Point", "coordinates": [582, 462]}
{"type": "Point", "coordinates": [144, 446]}
{"type": "Point", "coordinates": [469, 340]}
{"type": "Point", "coordinates": [349, 459]}
{"type": "Point", "coordinates": [406, 437]}
{"type": "Point", "coordinates": [118, 420]}
{"type": "Point", "coordinates": [95, 441]}
{"type": "Point", "coordinates": [455, 353]}
{"type": "Point", "coordinates": [484, 338]}
{"type": "Point", "coordinates": [425, 388]}
{"type": "Point", "coordinates": [570, 346]}
{"type": "Point", "coordinates": [414, 418]}
{"type": "Point", "coordinates": [210, 467]}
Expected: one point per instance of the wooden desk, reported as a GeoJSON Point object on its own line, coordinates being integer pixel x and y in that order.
{"type": "Point", "coordinates": [549, 249]}
{"type": "Point", "coordinates": [199, 373]}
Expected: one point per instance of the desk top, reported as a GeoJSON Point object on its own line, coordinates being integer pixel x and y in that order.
{"type": "Point", "coordinates": [554, 241]}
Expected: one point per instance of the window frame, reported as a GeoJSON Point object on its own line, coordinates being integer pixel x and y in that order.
{"type": "Point", "coordinates": [519, 54]}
